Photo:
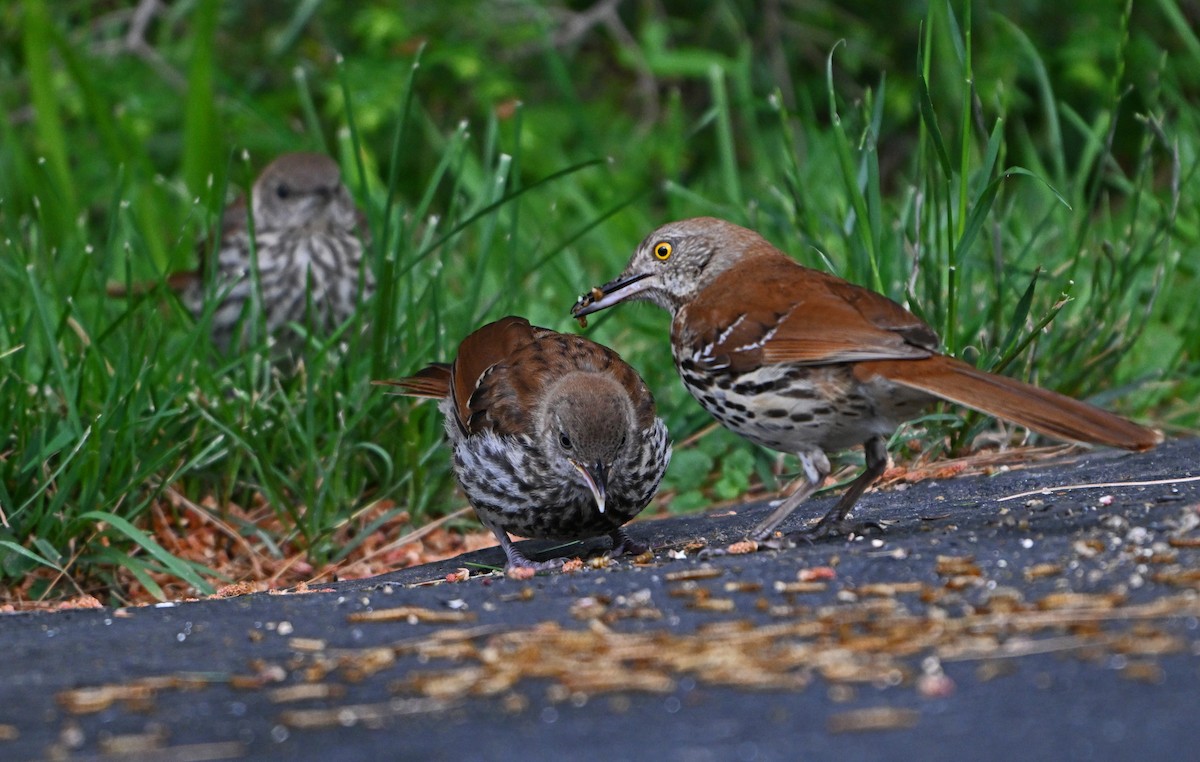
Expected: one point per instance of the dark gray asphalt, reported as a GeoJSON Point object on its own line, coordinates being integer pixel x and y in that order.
{"type": "Point", "coordinates": [1061, 626]}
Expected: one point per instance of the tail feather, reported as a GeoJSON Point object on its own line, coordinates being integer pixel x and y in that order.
{"type": "Point", "coordinates": [1039, 409]}
{"type": "Point", "coordinates": [432, 382]}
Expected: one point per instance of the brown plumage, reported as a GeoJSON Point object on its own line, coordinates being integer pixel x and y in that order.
{"type": "Point", "coordinates": [554, 436]}
{"type": "Point", "coordinates": [804, 362]}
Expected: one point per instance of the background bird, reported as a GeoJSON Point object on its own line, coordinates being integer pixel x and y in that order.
{"type": "Point", "coordinates": [307, 238]}
{"type": "Point", "coordinates": [804, 362]}
{"type": "Point", "coordinates": [554, 436]}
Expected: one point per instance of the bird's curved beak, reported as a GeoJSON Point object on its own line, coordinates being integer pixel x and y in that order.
{"type": "Point", "coordinates": [596, 476]}
{"type": "Point", "coordinates": [610, 293]}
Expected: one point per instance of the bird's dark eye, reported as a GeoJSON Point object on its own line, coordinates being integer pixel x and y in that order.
{"type": "Point", "coordinates": [564, 440]}
{"type": "Point", "coordinates": [662, 251]}
{"type": "Point", "coordinates": [283, 191]}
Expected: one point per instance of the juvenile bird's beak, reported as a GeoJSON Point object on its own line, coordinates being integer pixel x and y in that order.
{"type": "Point", "coordinates": [610, 293]}
{"type": "Point", "coordinates": [596, 476]}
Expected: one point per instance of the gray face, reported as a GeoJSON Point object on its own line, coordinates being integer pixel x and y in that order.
{"type": "Point", "coordinates": [673, 264]}
{"type": "Point", "coordinates": [302, 190]}
{"type": "Point", "coordinates": [586, 425]}
{"type": "Point", "coordinates": [589, 427]}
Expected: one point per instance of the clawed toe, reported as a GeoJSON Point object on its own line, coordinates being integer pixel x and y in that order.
{"type": "Point", "coordinates": [624, 544]}
{"type": "Point", "coordinates": [520, 564]}
{"type": "Point", "coordinates": [843, 528]}
{"type": "Point", "coordinates": [629, 547]}
{"type": "Point", "coordinates": [823, 529]}
{"type": "Point", "coordinates": [783, 542]}
{"type": "Point", "coordinates": [708, 552]}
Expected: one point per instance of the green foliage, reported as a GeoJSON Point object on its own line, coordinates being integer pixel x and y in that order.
{"type": "Point", "coordinates": [718, 466]}
{"type": "Point", "coordinates": [1023, 179]}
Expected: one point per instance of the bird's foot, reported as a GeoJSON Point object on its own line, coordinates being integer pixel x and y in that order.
{"type": "Point", "coordinates": [823, 529]}
{"type": "Point", "coordinates": [709, 551]}
{"type": "Point", "coordinates": [840, 528]}
{"type": "Point", "coordinates": [783, 541]}
{"type": "Point", "coordinates": [519, 566]}
{"type": "Point", "coordinates": [622, 544]}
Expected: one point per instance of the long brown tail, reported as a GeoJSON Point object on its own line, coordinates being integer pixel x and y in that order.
{"type": "Point", "coordinates": [432, 382]}
{"type": "Point", "coordinates": [1043, 411]}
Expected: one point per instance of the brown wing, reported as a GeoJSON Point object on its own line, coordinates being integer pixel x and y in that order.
{"type": "Point", "coordinates": [503, 368]}
{"type": "Point", "coordinates": [479, 356]}
{"type": "Point", "coordinates": [484, 363]}
{"type": "Point", "coordinates": [793, 314]}
{"type": "Point", "coordinates": [567, 352]}
{"type": "Point", "coordinates": [600, 358]}
{"type": "Point", "coordinates": [508, 392]}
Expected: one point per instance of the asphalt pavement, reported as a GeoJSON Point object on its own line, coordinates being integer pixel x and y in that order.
{"type": "Point", "coordinates": [982, 623]}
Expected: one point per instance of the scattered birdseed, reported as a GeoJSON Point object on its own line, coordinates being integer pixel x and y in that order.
{"type": "Point", "coordinates": [704, 572]}
{"type": "Point", "coordinates": [412, 615]}
{"type": "Point", "coordinates": [875, 718]}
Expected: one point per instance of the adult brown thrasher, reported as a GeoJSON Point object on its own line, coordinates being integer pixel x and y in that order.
{"type": "Point", "coordinates": [804, 362]}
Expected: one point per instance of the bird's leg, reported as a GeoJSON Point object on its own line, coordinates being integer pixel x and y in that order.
{"type": "Point", "coordinates": [517, 559]}
{"type": "Point", "coordinates": [816, 468]}
{"type": "Point", "coordinates": [834, 522]}
{"type": "Point", "coordinates": [622, 543]}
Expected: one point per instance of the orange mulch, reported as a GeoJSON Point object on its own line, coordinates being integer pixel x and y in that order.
{"type": "Point", "coordinates": [209, 536]}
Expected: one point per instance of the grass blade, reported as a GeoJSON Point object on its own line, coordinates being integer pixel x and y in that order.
{"type": "Point", "coordinates": [170, 563]}
{"type": "Point", "coordinates": [201, 142]}
{"type": "Point", "coordinates": [52, 139]}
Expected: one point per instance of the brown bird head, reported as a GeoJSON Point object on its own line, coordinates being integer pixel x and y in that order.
{"type": "Point", "coordinates": [302, 190]}
{"type": "Point", "coordinates": [676, 262]}
{"type": "Point", "coordinates": [586, 421]}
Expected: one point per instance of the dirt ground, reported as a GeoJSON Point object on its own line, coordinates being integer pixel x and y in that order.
{"type": "Point", "coordinates": [991, 619]}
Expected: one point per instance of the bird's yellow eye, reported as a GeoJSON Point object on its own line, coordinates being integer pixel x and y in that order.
{"type": "Point", "coordinates": [662, 251]}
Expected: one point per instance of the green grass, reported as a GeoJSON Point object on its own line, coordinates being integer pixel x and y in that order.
{"type": "Point", "coordinates": [1040, 234]}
